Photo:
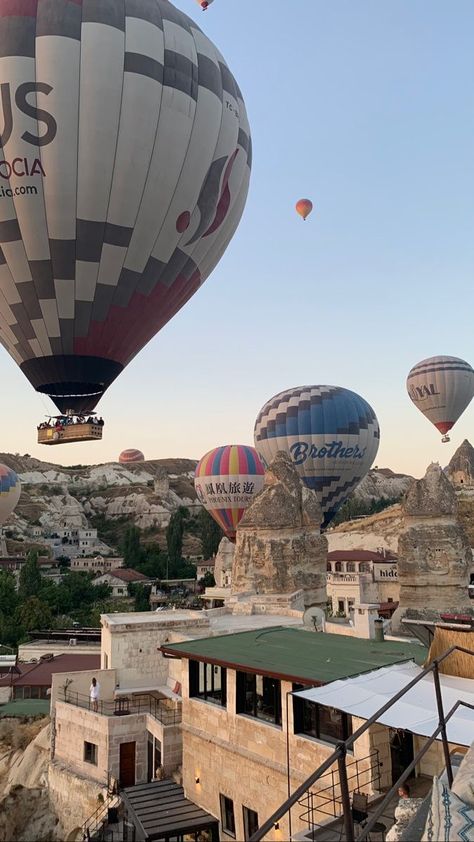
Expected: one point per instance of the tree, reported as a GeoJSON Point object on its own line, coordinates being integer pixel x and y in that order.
{"type": "Point", "coordinates": [30, 577]}
{"type": "Point", "coordinates": [131, 548]}
{"type": "Point", "coordinates": [141, 595]}
{"type": "Point", "coordinates": [208, 580]}
{"type": "Point", "coordinates": [34, 614]}
{"type": "Point", "coordinates": [211, 534]}
{"type": "Point", "coordinates": [174, 535]}
{"type": "Point", "coordinates": [8, 594]}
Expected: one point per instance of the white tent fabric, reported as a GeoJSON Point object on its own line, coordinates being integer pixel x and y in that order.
{"type": "Point", "coordinates": [417, 711]}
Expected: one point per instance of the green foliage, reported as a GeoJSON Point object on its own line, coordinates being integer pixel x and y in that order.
{"type": "Point", "coordinates": [360, 508]}
{"type": "Point", "coordinates": [141, 594]}
{"type": "Point", "coordinates": [208, 580]}
{"type": "Point", "coordinates": [174, 535]}
{"type": "Point", "coordinates": [34, 614]}
{"type": "Point", "coordinates": [30, 577]}
{"type": "Point", "coordinates": [211, 534]}
{"type": "Point", "coordinates": [132, 550]}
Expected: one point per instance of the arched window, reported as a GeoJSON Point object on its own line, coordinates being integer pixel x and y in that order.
{"type": "Point", "coordinates": [350, 567]}
{"type": "Point", "coordinates": [338, 567]}
{"type": "Point", "coordinates": [329, 567]}
{"type": "Point", "coordinates": [364, 567]}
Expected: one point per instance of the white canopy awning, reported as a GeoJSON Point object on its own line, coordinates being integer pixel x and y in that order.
{"type": "Point", "coordinates": [417, 712]}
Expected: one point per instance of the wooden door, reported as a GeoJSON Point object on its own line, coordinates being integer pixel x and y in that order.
{"type": "Point", "coordinates": [127, 764]}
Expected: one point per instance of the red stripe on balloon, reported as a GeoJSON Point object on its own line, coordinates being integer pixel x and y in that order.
{"type": "Point", "coordinates": [444, 426]}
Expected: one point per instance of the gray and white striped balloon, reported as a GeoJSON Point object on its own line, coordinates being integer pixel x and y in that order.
{"type": "Point", "coordinates": [125, 163]}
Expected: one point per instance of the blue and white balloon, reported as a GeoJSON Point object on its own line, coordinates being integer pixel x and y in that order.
{"type": "Point", "coordinates": [331, 434]}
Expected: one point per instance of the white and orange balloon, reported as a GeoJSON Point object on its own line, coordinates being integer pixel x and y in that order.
{"type": "Point", "coordinates": [304, 207]}
{"type": "Point", "coordinates": [441, 388]}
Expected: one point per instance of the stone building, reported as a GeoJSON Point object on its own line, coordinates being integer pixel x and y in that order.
{"type": "Point", "coordinates": [461, 466]}
{"type": "Point", "coordinates": [279, 546]}
{"type": "Point", "coordinates": [245, 737]}
{"type": "Point", "coordinates": [362, 576]}
{"type": "Point", "coordinates": [434, 556]}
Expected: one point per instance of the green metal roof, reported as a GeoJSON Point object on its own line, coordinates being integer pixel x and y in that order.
{"type": "Point", "coordinates": [26, 707]}
{"type": "Point", "coordinates": [296, 654]}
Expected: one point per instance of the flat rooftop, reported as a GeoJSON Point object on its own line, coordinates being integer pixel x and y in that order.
{"type": "Point", "coordinates": [306, 657]}
{"type": "Point", "coordinates": [207, 623]}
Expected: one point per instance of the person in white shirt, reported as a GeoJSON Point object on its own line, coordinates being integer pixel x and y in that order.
{"type": "Point", "coordinates": [94, 695]}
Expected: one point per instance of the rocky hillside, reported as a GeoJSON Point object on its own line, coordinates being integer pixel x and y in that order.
{"type": "Point", "coordinates": [54, 497]}
{"type": "Point", "coordinates": [382, 482]}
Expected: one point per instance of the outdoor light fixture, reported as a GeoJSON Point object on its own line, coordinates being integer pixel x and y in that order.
{"type": "Point", "coordinates": [197, 780]}
{"type": "Point", "coordinates": [277, 825]}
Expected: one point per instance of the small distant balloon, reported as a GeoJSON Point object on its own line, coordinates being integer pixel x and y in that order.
{"type": "Point", "coordinates": [441, 388]}
{"type": "Point", "coordinates": [226, 481]}
{"type": "Point", "coordinates": [10, 489]}
{"type": "Point", "coordinates": [131, 455]}
{"type": "Point", "coordinates": [204, 4]}
{"type": "Point", "coordinates": [304, 207]}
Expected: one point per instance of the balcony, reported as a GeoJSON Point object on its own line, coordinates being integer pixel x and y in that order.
{"type": "Point", "coordinates": [341, 578]}
{"type": "Point", "coordinates": [163, 710]}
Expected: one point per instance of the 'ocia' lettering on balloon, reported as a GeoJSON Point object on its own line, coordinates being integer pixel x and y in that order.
{"type": "Point", "coordinates": [303, 450]}
{"type": "Point", "coordinates": [39, 115]}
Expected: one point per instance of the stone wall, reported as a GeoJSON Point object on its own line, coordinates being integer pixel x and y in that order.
{"type": "Point", "coordinates": [80, 683]}
{"type": "Point", "coordinates": [73, 727]}
{"type": "Point", "coordinates": [246, 759]}
{"type": "Point", "coordinates": [73, 796]}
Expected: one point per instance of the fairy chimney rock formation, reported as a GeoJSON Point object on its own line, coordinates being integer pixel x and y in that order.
{"type": "Point", "coordinates": [461, 467]}
{"type": "Point", "coordinates": [279, 546]}
{"type": "Point", "coordinates": [224, 559]}
{"type": "Point", "coordinates": [434, 555]}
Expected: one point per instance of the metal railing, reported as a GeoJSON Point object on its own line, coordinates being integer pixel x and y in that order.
{"type": "Point", "coordinates": [339, 756]}
{"type": "Point", "coordinates": [362, 772]}
{"type": "Point", "coordinates": [94, 824]}
{"type": "Point", "coordinates": [161, 709]}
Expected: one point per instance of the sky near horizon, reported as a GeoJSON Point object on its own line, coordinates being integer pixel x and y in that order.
{"type": "Point", "coordinates": [367, 108]}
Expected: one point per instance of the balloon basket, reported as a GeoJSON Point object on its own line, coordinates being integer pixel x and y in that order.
{"type": "Point", "coordinates": [69, 433]}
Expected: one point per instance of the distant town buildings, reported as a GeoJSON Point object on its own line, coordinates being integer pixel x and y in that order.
{"type": "Point", "coordinates": [361, 576]}
{"type": "Point", "coordinates": [118, 580]}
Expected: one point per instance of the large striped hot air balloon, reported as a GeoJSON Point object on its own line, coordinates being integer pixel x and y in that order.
{"type": "Point", "coordinates": [226, 481]}
{"type": "Point", "coordinates": [124, 168]}
{"type": "Point", "coordinates": [131, 455]}
{"type": "Point", "coordinates": [441, 388]}
{"type": "Point", "coordinates": [331, 434]}
{"type": "Point", "coordinates": [10, 490]}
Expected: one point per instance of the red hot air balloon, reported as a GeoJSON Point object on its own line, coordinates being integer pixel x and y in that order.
{"type": "Point", "coordinates": [304, 207]}
{"type": "Point", "coordinates": [131, 455]}
{"type": "Point", "coordinates": [204, 4]}
{"type": "Point", "coordinates": [226, 481]}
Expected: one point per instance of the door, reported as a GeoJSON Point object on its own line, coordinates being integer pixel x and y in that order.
{"type": "Point", "coordinates": [127, 764]}
{"type": "Point", "coordinates": [401, 752]}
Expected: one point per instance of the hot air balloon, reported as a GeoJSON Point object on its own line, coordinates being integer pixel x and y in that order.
{"type": "Point", "coordinates": [10, 490]}
{"type": "Point", "coordinates": [131, 455]}
{"type": "Point", "coordinates": [441, 388]}
{"type": "Point", "coordinates": [124, 169]}
{"type": "Point", "coordinates": [304, 207]}
{"type": "Point", "coordinates": [331, 434]}
{"type": "Point", "coordinates": [204, 4]}
{"type": "Point", "coordinates": [226, 481]}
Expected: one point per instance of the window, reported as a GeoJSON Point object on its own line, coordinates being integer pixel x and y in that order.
{"type": "Point", "coordinates": [90, 753]}
{"type": "Point", "coordinates": [329, 567]}
{"type": "Point", "coordinates": [338, 567]}
{"type": "Point", "coordinates": [119, 590]}
{"type": "Point", "coordinates": [390, 599]}
{"type": "Point", "coordinates": [350, 604]}
{"type": "Point", "coordinates": [350, 567]}
{"type": "Point", "coordinates": [153, 756]}
{"type": "Point", "coordinates": [250, 822]}
{"type": "Point", "coordinates": [208, 682]}
{"type": "Point", "coordinates": [259, 696]}
{"type": "Point", "coordinates": [341, 606]}
{"type": "Point", "coordinates": [227, 815]}
{"type": "Point", "coordinates": [320, 722]}
{"type": "Point", "coordinates": [364, 567]}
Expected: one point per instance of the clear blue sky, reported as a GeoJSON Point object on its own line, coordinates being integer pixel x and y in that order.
{"type": "Point", "coordinates": [366, 107]}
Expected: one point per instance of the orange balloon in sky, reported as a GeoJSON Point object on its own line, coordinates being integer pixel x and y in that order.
{"type": "Point", "coordinates": [304, 207]}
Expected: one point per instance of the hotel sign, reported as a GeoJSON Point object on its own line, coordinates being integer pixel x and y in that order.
{"type": "Point", "coordinates": [384, 571]}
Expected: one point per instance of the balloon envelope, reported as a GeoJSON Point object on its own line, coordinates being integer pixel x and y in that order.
{"type": "Point", "coordinates": [226, 481]}
{"type": "Point", "coordinates": [10, 489]}
{"type": "Point", "coordinates": [331, 434]}
{"type": "Point", "coordinates": [304, 207]}
{"type": "Point", "coordinates": [441, 388]}
{"type": "Point", "coordinates": [124, 168]}
{"type": "Point", "coordinates": [131, 455]}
